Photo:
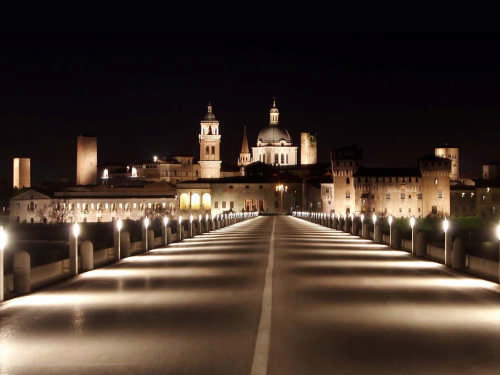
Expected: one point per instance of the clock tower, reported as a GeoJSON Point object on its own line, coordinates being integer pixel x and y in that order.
{"type": "Point", "coordinates": [209, 138]}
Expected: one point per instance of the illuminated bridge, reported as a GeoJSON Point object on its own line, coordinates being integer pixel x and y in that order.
{"type": "Point", "coordinates": [272, 295]}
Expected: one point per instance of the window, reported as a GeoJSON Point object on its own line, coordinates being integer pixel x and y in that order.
{"type": "Point", "coordinates": [402, 195]}
{"type": "Point", "coordinates": [231, 205]}
{"type": "Point", "coordinates": [435, 181]}
{"type": "Point", "coordinates": [287, 158]}
{"type": "Point", "coordinates": [387, 195]}
{"type": "Point", "coordinates": [223, 204]}
{"type": "Point", "coordinates": [409, 209]}
{"type": "Point", "coordinates": [400, 210]}
{"type": "Point", "coordinates": [440, 194]}
{"type": "Point", "coordinates": [247, 187]}
{"type": "Point", "coordinates": [207, 150]}
{"type": "Point", "coordinates": [282, 159]}
{"type": "Point", "coordinates": [195, 201]}
{"type": "Point", "coordinates": [348, 181]}
{"type": "Point", "coordinates": [213, 150]}
{"type": "Point", "coordinates": [347, 195]}
{"type": "Point", "coordinates": [276, 159]}
{"type": "Point", "coordinates": [419, 196]}
{"type": "Point", "coordinates": [183, 201]}
{"type": "Point", "coordinates": [216, 205]}
{"type": "Point", "coordinates": [231, 186]}
{"type": "Point", "coordinates": [207, 201]}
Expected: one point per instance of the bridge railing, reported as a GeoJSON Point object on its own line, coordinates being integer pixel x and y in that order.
{"type": "Point", "coordinates": [451, 253]}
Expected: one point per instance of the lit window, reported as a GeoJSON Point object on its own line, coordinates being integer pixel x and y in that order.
{"type": "Point", "coordinates": [149, 205]}
{"type": "Point", "coordinates": [435, 181]}
{"type": "Point", "coordinates": [207, 201]}
{"type": "Point", "coordinates": [134, 172]}
{"type": "Point", "coordinates": [120, 205]}
{"type": "Point", "coordinates": [195, 201]}
{"type": "Point", "coordinates": [184, 201]}
{"type": "Point", "coordinates": [134, 205]}
{"type": "Point", "coordinates": [78, 205]}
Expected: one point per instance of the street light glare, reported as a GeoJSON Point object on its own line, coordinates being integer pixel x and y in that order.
{"type": "Point", "coordinates": [180, 219]}
{"type": "Point", "coordinates": [412, 222]}
{"type": "Point", "coordinates": [362, 217]}
{"type": "Point", "coordinates": [76, 229]}
{"type": "Point", "coordinates": [390, 220]}
{"type": "Point", "coordinates": [374, 218]}
{"type": "Point", "coordinates": [146, 222]}
{"type": "Point", "coordinates": [446, 225]}
{"type": "Point", "coordinates": [165, 220]}
{"type": "Point", "coordinates": [119, 224]}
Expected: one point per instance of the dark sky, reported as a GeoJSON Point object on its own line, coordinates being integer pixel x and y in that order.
{"type": "Point", "coordinates": [396, 95]}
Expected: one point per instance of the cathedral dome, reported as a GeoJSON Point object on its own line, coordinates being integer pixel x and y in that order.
{"type": "Point", "coordinates": [274, 135]}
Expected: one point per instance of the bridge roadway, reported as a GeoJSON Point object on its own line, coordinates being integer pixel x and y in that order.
{"type": "Point", "coordinates": [273, 295]}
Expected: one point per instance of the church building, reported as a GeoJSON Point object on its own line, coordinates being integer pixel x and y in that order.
{"type": "Point", "coordinates": [274, 143]}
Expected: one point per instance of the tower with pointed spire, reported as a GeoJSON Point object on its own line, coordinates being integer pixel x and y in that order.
{"type": "Point", "coordinates": [209, 137]}
{"type": "Point", "coordinates": [245, 155]}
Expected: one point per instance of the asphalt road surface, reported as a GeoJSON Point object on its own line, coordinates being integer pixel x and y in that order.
{"type": "Point", "coordinates": [272, 295]}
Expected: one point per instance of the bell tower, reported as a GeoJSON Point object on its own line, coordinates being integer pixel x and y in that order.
{"type": "Point", "coordinates": [209, 138]}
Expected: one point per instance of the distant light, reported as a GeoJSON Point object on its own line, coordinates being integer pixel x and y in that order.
{"type": "Point", "coordinates": [165, 220]}
{"type": "Point", "coordinates": [134, 172]}
{"type": "Point", "coordinates": [412, 222]}
{"type": "Point", "coordinates": [146, 222]}
{"type": "Point", "coordinates": [155, 158]}
{"type": "Point", "coordinates": [390, 220]}
{"type": "Point", "coordinates": [3, 239]}
{"type": "Point", "coordinates": [119, 224]}
{"type": "Point", "coordinates": [105, 174]}
{"type": "Point", "coordinates": [76, 229]}
{"type": "Point", "coordinates": [446, 225]}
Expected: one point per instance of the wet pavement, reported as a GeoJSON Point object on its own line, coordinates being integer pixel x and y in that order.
{"type": "Point", "coordinates": [273, 295]}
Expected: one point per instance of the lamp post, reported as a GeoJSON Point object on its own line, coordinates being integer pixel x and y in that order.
{"type": "Point", "coordinates": [119, 226]}
{"type": "Point", "coordinates": [146, 225]}
{"type": "Point", "coordinates": [207, 223]}
{"type": "Point", "coordinates": [498, 238]}
{"type": "Point", "coordinates": [389, 220]}
{"type": "Point", "coordinates": [3, 243]}
{"type": "Point", "coordinates": [374, 219]}
{"type": "Point", "coordinates": [446, 226]}
{"type": "Point", "coordinates": [191, 226]}
{"type": "Point", "coordinates": [76, 232]}
{"type": "Point", "coordinates": [362, 217]}
{"type": "Point", "coordinates": [281, 188]}
{"type": "Point", "coordinates": [412, 225]}
{"type": "Point", "coordinates": [180, 228]}
{"type": "Point", "coordinates": [165, 226]}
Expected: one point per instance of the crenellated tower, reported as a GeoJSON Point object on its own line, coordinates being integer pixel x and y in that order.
{"type": "Point", "coordinates": [210, 161]}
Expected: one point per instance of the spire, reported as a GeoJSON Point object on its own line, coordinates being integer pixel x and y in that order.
{"type": "Point", "coordinates": [244, 143]}
{"type": "Point", "coordinates": [209, 107]}
{"type": "Point", "coordinates": [274, 114]}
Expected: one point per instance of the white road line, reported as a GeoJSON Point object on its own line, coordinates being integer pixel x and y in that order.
{"type": "Point", "coordinates": [263, 341]}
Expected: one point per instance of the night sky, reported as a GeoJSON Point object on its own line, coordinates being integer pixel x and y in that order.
{"type": "Point", "coordinates": [395, 95]}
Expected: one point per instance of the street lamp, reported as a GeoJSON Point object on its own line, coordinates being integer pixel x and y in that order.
{"type": "Point", "coordinates": [362, 217]}
{"type": "Point", "coordinates": [281, 188]}
{"type": "Point", "coordinates": [191, 226]}
{"type": "Point", "coordinates": [146, 225]}
{"type": "Point", "coordinates": [207, 223]}
{"type": "Point", "coordinates": [389, 219]}
{"type": "Point", "coordinates": [3, 243]}
{"type": "Point", "coordinates": [165, 226]}
{"type": "Point", "coordinates": [446, 226]}
{"type": "Point", "coordinates": [119, 226]}
{"type": "Point", "coordinates": [412, 225]}
{"type": "Point", "coordinates": [76, 232]}
{"type": "Point", "coordinates": [180, 228]}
